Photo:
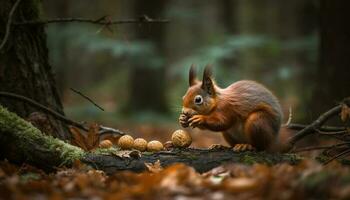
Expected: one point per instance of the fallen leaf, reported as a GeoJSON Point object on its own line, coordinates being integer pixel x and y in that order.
{"type": "Point", "coordinates": [93, 136]}
{"type": "Point", "coordinates": [78, 138]}
{"type": "Point", "coordinates": [154, 167]}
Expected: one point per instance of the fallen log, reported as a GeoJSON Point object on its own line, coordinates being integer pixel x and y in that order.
{"type": "Point", "coordinates": [200, 159]}
{"type": "Point", "coordinates": [21, 142]}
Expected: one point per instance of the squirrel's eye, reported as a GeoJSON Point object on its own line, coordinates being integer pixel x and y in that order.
{"type": "Point", "coordinates": [198, 100]}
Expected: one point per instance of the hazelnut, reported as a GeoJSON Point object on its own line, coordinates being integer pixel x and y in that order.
{"type": "Point", "coordinates": [154, 146]}
{"type": "Point", "coordinates": [181, 138]}
{"type": "Point", "coordinates": [126, 142]}
{"type": "Point", "coordinates": [105, 144]}
{"type": "Point", "coordinates": [140, 144]}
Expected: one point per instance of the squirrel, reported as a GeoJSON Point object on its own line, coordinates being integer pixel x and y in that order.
{"type": "Point", "coordinates": [246, 112]}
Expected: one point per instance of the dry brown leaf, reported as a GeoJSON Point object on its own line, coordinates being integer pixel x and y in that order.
{"type": "Point", "coordinates": [345, 113]}
{"type": "Point", "coordinates": [78, 138]}
{"type": "Point", "coordinates": [154, 167]}
{"type": "Point", "coordinates": [93, 136]}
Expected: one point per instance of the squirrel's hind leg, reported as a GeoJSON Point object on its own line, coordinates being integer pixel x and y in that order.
{"type": "Point", "coordinates": [260, 129]}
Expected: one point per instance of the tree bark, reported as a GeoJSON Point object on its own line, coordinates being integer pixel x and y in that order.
{"type": "Point", "coordinates": [21, 142]}
{"type": "Point", "coordinates": [201, 160]}
{"type": "Point", "coordinates": [24, 66]}
{"type": "Point", "coordinates": [332, 77]}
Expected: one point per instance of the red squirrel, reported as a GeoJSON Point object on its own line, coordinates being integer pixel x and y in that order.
{"type": "Point", "coordinates": [247, 113]}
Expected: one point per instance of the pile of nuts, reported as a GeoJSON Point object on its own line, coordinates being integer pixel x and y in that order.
{"type": "Point", "coordinates": [179, 139]}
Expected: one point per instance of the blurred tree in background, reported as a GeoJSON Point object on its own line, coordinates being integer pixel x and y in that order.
{"type": "Point", "coordinates": [147, 76]}
{"type": "Point", "coordinates": [332, 78]}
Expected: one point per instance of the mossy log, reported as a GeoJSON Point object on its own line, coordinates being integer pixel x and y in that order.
{"type": "Point", "coordinates": [21, 142]}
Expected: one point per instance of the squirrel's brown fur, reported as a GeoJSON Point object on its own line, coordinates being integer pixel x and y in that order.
{"type": "Point", "coordinates": [245, 112]}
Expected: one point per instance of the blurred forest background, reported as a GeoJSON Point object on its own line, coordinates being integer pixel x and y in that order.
{"type": "Point", "coordinates": [138, 72]}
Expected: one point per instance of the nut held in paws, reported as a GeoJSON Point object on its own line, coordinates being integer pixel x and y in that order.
{"type": "Point", "coordinates": [181, 138]}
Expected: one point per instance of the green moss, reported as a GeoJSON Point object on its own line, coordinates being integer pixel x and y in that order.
{"type": "Point", "coordinates": [248, 159]}
{"type": "Point", "coordinates": [294, 158]}
{"type": "Point", "coordinates": [322, 158]}
{"type": "Point", "coordinates": [106, 151]}
{"type": "Point", "coordinates": [27, 135]}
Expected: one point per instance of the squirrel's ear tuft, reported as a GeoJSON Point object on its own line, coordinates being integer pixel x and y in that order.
{"type": "Point", "coordinates": [192, 76]}
{"type": "Point", "coordinates": [207, 82]}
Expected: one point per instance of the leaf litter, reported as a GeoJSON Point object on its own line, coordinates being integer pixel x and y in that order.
{"type": "Point", "coordinates": [283, 181]}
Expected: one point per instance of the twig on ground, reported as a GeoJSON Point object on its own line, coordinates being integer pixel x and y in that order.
{"type": "Point", "coordinates": [86, 97]}
{"type": "Point", "coordinates": [299, 127]}
{"type": "Point", "coordinates": [316, 124]}
{"type": "Point", "coordinates": [8, 25]}
{"type": "Point", "coordinates": [347, 151]}
{"type": "Point", "coordinates": [332, 133]}
{"type": "Point", "coordinates": [320, 147]}
{"type": "Point", "coordinates": [103, 130]}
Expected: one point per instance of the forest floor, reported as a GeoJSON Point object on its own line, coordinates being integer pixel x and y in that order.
{"type": "Point", "coordinates": [306, 180]}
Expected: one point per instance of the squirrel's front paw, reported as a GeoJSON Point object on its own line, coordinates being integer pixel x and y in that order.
{"type": "Point", "coordinates": [183, 120]}
{"type": "Point", "coordinates": [196, 121]}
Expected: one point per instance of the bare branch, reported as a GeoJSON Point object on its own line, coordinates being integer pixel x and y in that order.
{"type": "Point", "coordinates": [101, 21]}
{"type": "Point", "coordinates": [86, 97]}
{"type": "Point", "coordinates": [320, 147]}
{"type": "Point", "coordinates": [315, 125]}
{"type": "Point", "coordinates": [42, 107]}
{"type": "Point", "coordinates": [299, 127]}
{"type": "Point", "coordinates": [347, 151]}
{"type": "Point", "coordinates": [102, 130]}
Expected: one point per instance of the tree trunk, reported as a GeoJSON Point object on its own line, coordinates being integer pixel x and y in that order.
{"type": "Point", "coordinates": [148, 76]}
{"type": "Point", "coordinates": [332, 80]}
{"type": "Point", "coordinates": [24, 67]}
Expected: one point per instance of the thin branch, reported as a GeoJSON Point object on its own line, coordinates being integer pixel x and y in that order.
{"type": "Point", "coordinates": [320, 147]}
{"type": "Point", "coordinates": [42, 107]}
{"type": "Point", "coordinates": [299, 127]}
{"type": "Point", "coordinates": [315, 125]}
{"type": "Point", "coordinates": [103, 130]}
{"type": "Point", "coordinates": [337, 156]}
{"type": "Point", "coordinates": [86, 97]}
{"type": "Point", "coordinates": [101, 21]}
{"type": "Point", "coordinates": [8, 25]}
{"type": "Point", "coordinates": [332, 133]}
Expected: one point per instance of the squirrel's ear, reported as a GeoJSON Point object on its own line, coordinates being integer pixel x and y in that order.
{"type": "Point", "coordinates": [192, 76]}
{"type": "Point", "coordinates": [207, 82]}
